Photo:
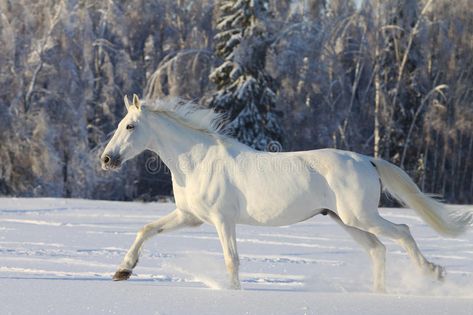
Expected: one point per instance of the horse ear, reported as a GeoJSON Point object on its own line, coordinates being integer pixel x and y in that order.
{"type": "Point", "coordinates": [136, 101]}
{"type": "Point", "coordinates": [127, 104]}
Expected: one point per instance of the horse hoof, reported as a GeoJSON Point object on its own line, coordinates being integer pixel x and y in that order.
{"type": "Point", "coordinates": [121, 275]}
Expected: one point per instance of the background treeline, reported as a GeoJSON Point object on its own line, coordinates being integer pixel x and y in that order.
{"type": "Point", "coordinates": [390, 78]}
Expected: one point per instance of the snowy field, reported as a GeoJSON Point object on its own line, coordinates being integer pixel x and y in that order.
{"type": "Point", "coordinates": [57, 256]}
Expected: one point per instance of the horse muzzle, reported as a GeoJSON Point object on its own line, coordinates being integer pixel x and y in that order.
{"type": "Point", "coordinates": [111, 162]}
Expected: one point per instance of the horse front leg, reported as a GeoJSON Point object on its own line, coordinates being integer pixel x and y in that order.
{"type": "Point", "coordinates": [172, 221]}
{"type": "Point", "coordinates": [227, 235]}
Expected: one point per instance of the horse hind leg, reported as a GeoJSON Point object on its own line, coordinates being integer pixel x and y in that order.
{"type": "Point", "coordinates": [401, 234]}
{"type": "Point", "coordinates": [375, 249]}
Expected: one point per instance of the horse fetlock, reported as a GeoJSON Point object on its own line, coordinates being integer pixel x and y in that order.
{"type": "Point", "coordinates": [234, 280]}
{"type": "Point", "coordinates": [130, 261]}
{"type": "Point", "coordinates": [235, 285]}
{"type": "Point", "coordinates": [133, 265]}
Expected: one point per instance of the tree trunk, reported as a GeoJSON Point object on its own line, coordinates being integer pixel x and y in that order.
{"type": "Point", "coordinates": [377, 107]}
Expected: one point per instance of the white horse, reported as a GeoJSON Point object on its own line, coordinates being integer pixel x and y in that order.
{"type": "Point", "coordinates": [220, 181]}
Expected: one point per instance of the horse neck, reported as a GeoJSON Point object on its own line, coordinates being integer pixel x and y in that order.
{"type": "Point", "coordinates": [178, 145]}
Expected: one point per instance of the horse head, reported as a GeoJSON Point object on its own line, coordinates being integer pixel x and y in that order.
{"type": "Point", "coordinates": [129, 139]}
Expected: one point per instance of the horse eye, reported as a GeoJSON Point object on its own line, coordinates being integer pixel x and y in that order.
{"type": "Point", "coordinates": [130, 127]}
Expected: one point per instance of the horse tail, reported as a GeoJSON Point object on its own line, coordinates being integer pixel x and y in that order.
{"type": "Point", "coordinates": [443, 220]}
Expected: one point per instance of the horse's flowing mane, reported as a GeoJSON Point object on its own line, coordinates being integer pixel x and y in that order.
{"type": "Point", "coordinates": [189, 113]}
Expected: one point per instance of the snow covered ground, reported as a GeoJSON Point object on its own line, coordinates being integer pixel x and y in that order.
{"type": "Point", "coordinates": [57, 256]}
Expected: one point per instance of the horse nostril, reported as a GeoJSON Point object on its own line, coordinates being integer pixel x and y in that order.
{"type": "Point", "coordinates": [106, 159]}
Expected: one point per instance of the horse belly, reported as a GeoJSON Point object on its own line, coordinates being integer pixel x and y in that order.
{"type": "Point", "coordinates": [283, 204]}
{"type": "Point", "coordinates": [278, 216]}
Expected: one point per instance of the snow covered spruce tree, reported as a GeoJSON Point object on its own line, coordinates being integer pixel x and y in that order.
{"type": "Point", "coordinates": [245, 89]}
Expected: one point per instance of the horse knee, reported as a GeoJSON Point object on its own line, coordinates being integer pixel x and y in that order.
{"type": "Point", "coordinates": [141, 232]}
{"type": "Point", "coordinates": [148, 230]}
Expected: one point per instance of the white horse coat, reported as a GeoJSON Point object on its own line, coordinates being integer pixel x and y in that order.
{"type": "Point", "coordinates": [220, 181]}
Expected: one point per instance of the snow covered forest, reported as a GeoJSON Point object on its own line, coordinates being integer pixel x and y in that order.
{"type": "Point", "coordinates": [389, 78]}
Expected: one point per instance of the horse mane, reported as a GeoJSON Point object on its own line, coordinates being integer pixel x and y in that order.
{"type": "Point", "coordinates": [190, 114]}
